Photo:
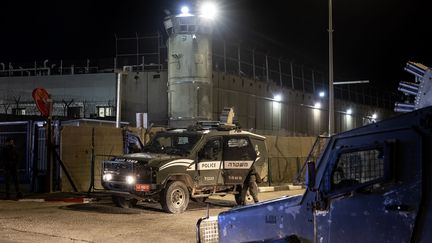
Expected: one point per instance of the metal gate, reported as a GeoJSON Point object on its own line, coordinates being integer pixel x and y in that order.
{"type": "Point", "coordinates": [30, 140]}
{"type": "Point", "coordinates": [20, 131]}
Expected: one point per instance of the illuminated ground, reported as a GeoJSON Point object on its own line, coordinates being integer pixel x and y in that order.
{"type": "Point", "coordinates": [103, 222]}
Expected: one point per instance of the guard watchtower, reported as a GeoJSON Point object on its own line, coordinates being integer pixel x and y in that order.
{"type": "Point", "coordinates": [190, 66]}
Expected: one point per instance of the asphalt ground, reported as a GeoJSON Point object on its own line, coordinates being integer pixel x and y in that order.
{"type": "Point", "coordinates": [101, 221]}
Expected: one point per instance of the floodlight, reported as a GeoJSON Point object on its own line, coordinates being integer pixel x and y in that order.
{"type": "Point", "coordinates": [321, 94]}
{"type": "Point", "coordinates": [208, 10]}
{"type": "Point", "coordinates": [184, 10]}
{"type": "Point", "coordinates": [349, 111]}
{"type": "Point", "coordinates": [317, 105]}
{"type": "Point", "coordinates": [374, 116]}
{"type": "Point", "coordinates": [277, 97]}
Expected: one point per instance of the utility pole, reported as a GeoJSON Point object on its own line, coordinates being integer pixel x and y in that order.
{"type": "Point", "coordinates": [331, 95]}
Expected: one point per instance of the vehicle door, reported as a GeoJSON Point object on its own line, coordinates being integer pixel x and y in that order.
{"type": "Point", "coordinates": [372, 189]}
{"type": "Point", "coordinates": [238, 157]}
{"type": "Point", "coordinates": [210, 162]}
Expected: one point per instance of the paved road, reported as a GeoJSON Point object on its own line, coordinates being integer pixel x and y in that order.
{"type": "Point", "coordinates": [101, 221]}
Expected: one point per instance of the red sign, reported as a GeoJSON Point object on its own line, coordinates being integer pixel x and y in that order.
{"type": "Point", "coordinates": [42, 100]}
{"type": "Point", "coordinates": [142, 187]}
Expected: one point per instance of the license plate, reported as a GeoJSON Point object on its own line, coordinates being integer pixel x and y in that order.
{"type": "Point", "coordinates": [142, 187]}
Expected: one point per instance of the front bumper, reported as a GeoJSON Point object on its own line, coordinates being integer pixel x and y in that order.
{"type": "Point", "coordinates": [116, 187]}
{"type": "Point", "coordinates": [129, 177]}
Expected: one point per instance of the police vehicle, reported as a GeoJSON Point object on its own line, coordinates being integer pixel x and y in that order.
{"type": "Point", "coordinates": [180, 165]}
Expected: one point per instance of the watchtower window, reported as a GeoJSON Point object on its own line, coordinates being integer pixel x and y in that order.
{"type": "Point", "coordinates": [183, 28]}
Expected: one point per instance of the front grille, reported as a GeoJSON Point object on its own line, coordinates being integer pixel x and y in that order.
{"type": "Point", "coordinates": [209, 231]}
{"type": "Point", "coordinates": [121, 169]}
{"type": "Point", "coordinates": [118, 168]}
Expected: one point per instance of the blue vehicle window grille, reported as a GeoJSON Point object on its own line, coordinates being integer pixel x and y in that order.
{"type": "Point", "coordinates": [358, 167]}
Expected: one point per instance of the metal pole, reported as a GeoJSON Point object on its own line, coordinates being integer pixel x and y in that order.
{"type": "Point", "coordinates": [253, 63]}
{"type": "Point", "coordinates": [118, 112]}
{"type": "Point", "coordinates": [267, 68]}
{"type": "Point", "coordinates": [137, 49]}
{"type": "Point", "coordinates": [159, 51]}
{"type": "Point", "coordinates": [331, 98]}
{"type": "Point", "coordinates": [50, 164]}
{"type": "Point", "coordinates": [292, 74]}
{"type": "Point", "coordinates": [313, 81]}
{"type": "Point", "coordinates": [280, 72]}
{"type": "Point", "coordinates": [351, 82]}
{"type": "Point", "coordinates": [239, 60]}
{"type": "Point", "coordinates": [224, 54]}
{"type": "Point", "coordinates": [303, 80]}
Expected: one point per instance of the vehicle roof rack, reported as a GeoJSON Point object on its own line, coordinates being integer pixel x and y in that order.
{"type": "Point", "coordinates": [225, 124]}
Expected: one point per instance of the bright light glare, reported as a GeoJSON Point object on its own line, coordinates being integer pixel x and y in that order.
{"type": "Point", "coordinates": [184, 10]}
{"type": "Point", "coordinates": [130, 180]}
{"type": "Point", "coordinates": [374, 116]}
{"type": "Point", "coordinates": [208, 10]}
{"type": "Point", "coordinates": [317, 105]}
{"type": "Point", "coordinates": [321, 94]}
{"type": "Point", "coordinates": [277, 97]}
{"type": "Point", "coordinates": [107, 177]}
{"type": "Point", "coordinates": [349, 111]}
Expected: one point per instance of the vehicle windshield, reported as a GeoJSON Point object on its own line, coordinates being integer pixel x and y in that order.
{"type": "Point", "coordinates": [172, 143]}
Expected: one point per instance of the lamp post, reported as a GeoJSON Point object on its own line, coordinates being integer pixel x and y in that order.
{"type": "Point", "coordinates": [331, 96]}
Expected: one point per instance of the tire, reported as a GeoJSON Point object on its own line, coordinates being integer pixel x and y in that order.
{"type": "Point", "coordinates": [123, 202]}
{"type": "Point", "coordinates": [292, 239]}
{"type": "Point", "coordinates": [175, 197]}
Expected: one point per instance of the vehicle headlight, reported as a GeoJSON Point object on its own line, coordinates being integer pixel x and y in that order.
{"type": "Point", "coordinates": [130, 180]}
{"type": "Point", "coordinates": [208, 230]}
{"type": "Point", "coordinates": [107, 177]}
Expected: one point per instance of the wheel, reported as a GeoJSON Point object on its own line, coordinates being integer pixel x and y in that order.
{"type": "Point", "coordinates": [123, 202]}
{"type": "Point", "coordinates": [175, 197]}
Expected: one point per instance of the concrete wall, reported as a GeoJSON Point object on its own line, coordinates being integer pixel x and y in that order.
{"type": "Point", "coordinates": [142, 92]}
{"type": "Point", "coordinates": [295, 115]}
{"type": "Point", "coordinates": [145, 92]}
{"type": "Point", "coordinates": [286, 157]}
{"type": "Point", "coordinates": [92, 89]}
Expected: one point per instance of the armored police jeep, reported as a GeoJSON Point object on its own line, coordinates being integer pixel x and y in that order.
{"type": "Point", "coordinates": [370, 184]}
{"type": "Point", "coordinates": [181, 164]}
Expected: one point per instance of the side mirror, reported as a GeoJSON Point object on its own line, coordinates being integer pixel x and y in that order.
{"type": "Point", "coordinates": [310, 175]}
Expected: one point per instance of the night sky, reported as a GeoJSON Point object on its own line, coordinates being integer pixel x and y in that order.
{"type": "Point", "coordinates": [373, 39]}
